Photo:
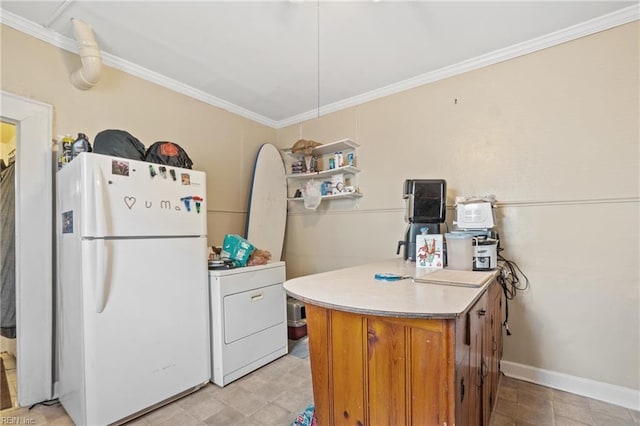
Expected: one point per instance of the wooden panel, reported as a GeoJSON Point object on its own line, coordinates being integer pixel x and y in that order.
{"type": "Point", "coordinates": [475, 394]}
{"type": "Point", "coordinates": [477, 315]}
{"type": "Point", "coordinates": [428, 374]}
{"type": "Point", "coordinates": [487, 335]}
{"type": "Point", "coordinates": [491, 347]}
{"type": "Point", "coordinates": [502, 311]}
{"type": "Point", "coordinates": [318, 332]}
{"type": "Point", "coordinates": [435, 325]}
{"type": "Point", "coordinates": [387, 372]}
{"type": "Point", "coordinates": [500, 333]}
{"type": "Point", "coordinates": [370, 370]}
{"type": "Point", "coordinates": [448, 358]}
{"type": "Point", "coordinates": [347, 376]}
{"type": "Point", "coordinates": [462, 337]}
{"type": "Point", "coordinates": [496, 346]}
{"type": "Point", "coordinates": [463, 389]}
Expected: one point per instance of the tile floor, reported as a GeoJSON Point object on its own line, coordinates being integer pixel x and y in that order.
{"type": "Point", "coordinates": [9, 362]}
{"type": "Point", "coordinates": [274, 394]}
{"type": "Point", "coordinates": [523, 403]}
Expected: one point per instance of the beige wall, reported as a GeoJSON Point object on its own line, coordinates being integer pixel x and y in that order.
{"type": "Point", "coordinates": [222, 144]}
{"type": "Point", "coordinates": [554, 135]}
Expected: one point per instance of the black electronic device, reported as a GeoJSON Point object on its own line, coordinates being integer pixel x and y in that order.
{"type": "Point", "coordinates": [425, 208]}
{"type": "Point", "coordinates": [426, 200]}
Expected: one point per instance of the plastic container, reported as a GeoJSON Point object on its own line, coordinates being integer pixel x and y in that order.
{"type": "Point", "coordinates": [296, 332]}
{"type": "Point", "coordinates": [67, 146]}
{"type": "Point", "coordinates": [350, 160]}
{"type": "Point", "coordinates": [296, 314]}
{"type": "Point", "coordinates": [66, 155]}
{"type": "Point", "coordinates": [296, 319]}
{"type": "Point", "coordinates": [459, 251]}
{"type": "Point", "coordinates": [81, 144]}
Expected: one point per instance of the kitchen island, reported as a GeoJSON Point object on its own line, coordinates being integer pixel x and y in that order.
{"type": "Point", "coordinates": [402, 352]}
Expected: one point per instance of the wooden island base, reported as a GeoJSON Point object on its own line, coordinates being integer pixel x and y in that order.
{"type": "Point", "coordinates": [379, 370]}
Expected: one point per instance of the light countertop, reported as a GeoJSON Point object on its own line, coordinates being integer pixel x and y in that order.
{"type": "Point", "coordinates": [356, 290]}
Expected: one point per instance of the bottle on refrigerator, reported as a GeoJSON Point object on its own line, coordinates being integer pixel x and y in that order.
{"type": "Point", "coordinates": [67, 151]}
{"type": "Point", "coordinates": [81, 144]}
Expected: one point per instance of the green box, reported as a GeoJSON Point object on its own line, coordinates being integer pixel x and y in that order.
{"type": "Point", "coordinates": [236, 248]}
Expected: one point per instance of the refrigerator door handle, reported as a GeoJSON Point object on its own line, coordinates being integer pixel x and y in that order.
{"type": "Point", "coordinates": [102, 284]}
{"type": "Point", "coordinates": [100, 211]}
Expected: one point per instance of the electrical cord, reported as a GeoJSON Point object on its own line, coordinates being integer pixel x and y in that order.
{"type": "Point", "coordinates": [509, 279]}
{"type": "Point", "coordinates": [48, 403]}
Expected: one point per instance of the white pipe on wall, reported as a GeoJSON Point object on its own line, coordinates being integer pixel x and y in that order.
{"type": "Point", "coordinates": [89, 74]}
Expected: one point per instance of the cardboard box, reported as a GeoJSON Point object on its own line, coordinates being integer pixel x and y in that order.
{"type": "Point", "coordinates": [337, 183]}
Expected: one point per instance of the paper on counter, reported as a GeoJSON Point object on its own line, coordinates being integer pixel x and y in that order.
{"type": "Point", "coordinates": [459, 278]}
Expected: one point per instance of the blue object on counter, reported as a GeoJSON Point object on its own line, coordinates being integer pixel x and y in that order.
{"type": "Point", "coordinates": [390, 277]}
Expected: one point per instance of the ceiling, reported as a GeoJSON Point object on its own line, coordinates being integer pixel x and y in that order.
{"type": "Point", "coordinates": [281, 62]}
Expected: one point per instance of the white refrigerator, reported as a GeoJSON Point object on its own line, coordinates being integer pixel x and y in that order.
{"type": "Point", "coordinates": [132, 321]}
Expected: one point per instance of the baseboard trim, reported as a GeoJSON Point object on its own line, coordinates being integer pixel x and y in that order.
{"type": "Point", "coordinates": [613, 394]}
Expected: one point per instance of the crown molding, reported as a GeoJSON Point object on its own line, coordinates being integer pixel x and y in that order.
{"type": "Point", "coordinates": [51, 37]}
{"type": "Point", "coordinates": [614, 19]}
{"type": "Point", "coordinates": [37, 31]}
{"type": "Point", "coordinates": [620, 17]}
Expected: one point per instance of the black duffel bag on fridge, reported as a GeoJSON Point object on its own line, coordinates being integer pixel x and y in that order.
{"type": "Point", "coordinates": [168, 153]}
{"type": "Point", "coordinates": [118, 143]}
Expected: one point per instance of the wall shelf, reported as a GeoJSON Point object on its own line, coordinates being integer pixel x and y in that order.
{"type": "Point", "coordinates": [348, 195]}
{"type": "Point", "coordinates": [323, 153]}
{"type": "Point", "coordinates": [328, 148]}
{"type": "Point", "coordinates": [324, 173]}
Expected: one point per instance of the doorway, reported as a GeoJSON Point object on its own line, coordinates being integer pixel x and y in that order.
{"type": "Point", "coordinates": [33, 245]}
{"type": "Point", "coordinates": [8, 347]}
